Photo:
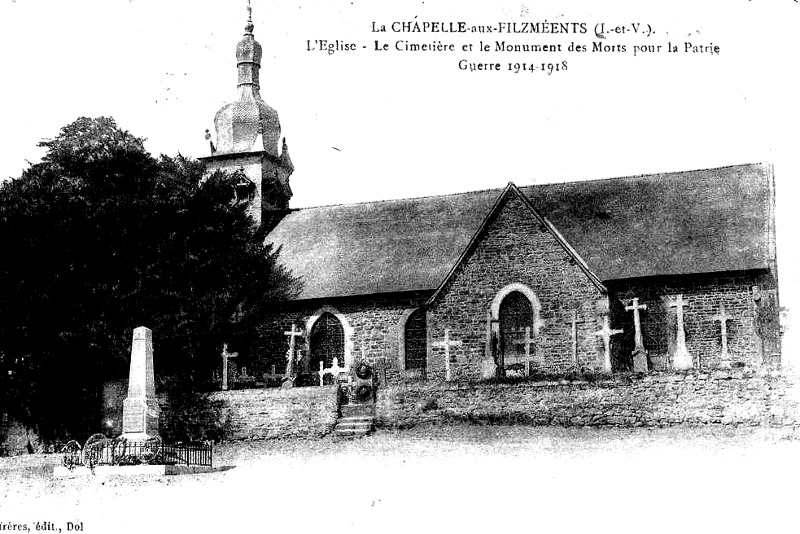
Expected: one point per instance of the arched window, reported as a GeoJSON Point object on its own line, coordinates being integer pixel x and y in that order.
{"type": "Point", "coordinates": [516, 314]}
{"type": "Point", "coordinates": [416, 340]}
{"type": "Point", "coordinates": [327, 341]}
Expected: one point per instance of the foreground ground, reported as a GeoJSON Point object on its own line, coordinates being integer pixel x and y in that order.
{"type": "Point", "coordinates": [454, 478]}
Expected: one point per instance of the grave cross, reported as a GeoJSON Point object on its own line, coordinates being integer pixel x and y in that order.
{"type": "Point", "coordinates": [681, 360]}
{"type": "Point", "coordinates": [575, 322]}
{"type": "Point", "coordinates": [529, 341]}
{"type": "Point", "coordinates": [225, 356]}
{"type": "Point", "coordinates": [606, 332]}
{"type": "Point", "coordinates": [293, 333]}
{"type": "Point", "coordinates": [635, 307]}
{"type": "Point", "coordinates": [723, 319]}
{"type": "Point", "coordinates": [447, 343]}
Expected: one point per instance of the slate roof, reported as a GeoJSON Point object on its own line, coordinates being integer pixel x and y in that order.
{"type": "Point", "coordinates": [699, 221]}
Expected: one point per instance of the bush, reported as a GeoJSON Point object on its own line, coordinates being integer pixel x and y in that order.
{"type": "Point", "coordinates": [192, 416]}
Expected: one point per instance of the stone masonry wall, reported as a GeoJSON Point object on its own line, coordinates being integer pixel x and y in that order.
{"type": "Point", "coordinates": [243, 414]}
{"type": "Point", "coordinates": [252, 166]}
{"type": "Point", "coordinates": [516, 249]}
{"type": "Point", "coordinates": [704, 297]}
{"type": "Point", "coordinates": [278, 413]}
{"type": "Point", "coordinates": [373, 329]}
{"type": "Point", "coordinates": [740, 397]}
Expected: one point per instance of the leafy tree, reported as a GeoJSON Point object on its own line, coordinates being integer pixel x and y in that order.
{"type": "Point", "coordinates": [99, 238]}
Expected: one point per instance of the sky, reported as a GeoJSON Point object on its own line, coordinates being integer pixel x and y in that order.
{"type": "Point", "coordinates": [366, 125]}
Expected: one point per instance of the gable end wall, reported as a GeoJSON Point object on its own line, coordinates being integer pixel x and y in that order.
{"type": "Point", "coordinates": [515, 249]}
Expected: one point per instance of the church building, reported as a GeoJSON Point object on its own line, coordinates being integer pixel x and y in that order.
{"type": "Point", "coordinates": [664, 271]}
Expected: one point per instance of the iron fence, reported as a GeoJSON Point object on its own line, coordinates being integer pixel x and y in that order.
{"type": "Point", "coordinates": [103, 451]}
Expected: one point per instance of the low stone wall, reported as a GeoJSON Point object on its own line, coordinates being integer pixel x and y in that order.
{"type": "Point", "coordinates": [274, 413]}
{"type": "Point", "coordinates": [723, 398]}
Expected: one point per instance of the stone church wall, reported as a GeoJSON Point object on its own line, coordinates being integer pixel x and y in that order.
{"type": "Point", "coordinates": [736, 397]}
{"type": "Point", "coordinates": [373, 329]}
{"type": "Point", "coordinates": [515, 250]}
{"type": "Point", "coordinates": [747, 298]}
{"type": "Point", "coordinates": [252, 166]}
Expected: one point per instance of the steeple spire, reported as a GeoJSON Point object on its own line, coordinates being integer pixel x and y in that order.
{"type": "Point", "coordinates": [249, 137]}
{"type": "Point", "coordinates": [248, 58]}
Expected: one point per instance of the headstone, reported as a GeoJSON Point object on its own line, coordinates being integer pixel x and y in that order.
{"type": "Point", "coordinates": [140, 410]}
{"type": "Point", "coordinates": [288, 379]}
{"type": "Point", "coordinates": [225, 356]}
{"type": "Point", "coordinates": [723, 318]}
{"type": "Point", "coordinates": [681, 359]}
{"type": "Point", "coordinates": [606, 332]}
{"type": "Point", "coordinates": [448, 358]}
{"type": "Point", "coordinates": [639, 352]}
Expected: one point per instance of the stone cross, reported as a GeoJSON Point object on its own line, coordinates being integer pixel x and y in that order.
{"type": "Point", "coordinates": [140, 410]}
{"type": "Point", "coordinates": [723, 318]}
{"type": "Point", "coordinates": [681, 360]}
{"type": "Point", "coordinates": [575, 322]}
{"type": "Point", "coordinates": [290, 353]}
{"type": "Point", "coordinates": [606, 332]}
{"type": "Point", "coordinates": [447, 343]}
{"type": "Point", "coordinates": [225, 355]}
{"type": "Point", "coordinates": [635, 307]}
{"type": "Point", "coordinates": [529, 341]}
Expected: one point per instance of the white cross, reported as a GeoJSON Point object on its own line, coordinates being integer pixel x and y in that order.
{"type": "Point", "coordinates": [447, 343]}
{"type": "Point", "coordinates": [575, 337]}
{"type": "Point", "coordinates": [528, 342]}
{"type": "Point", "coordinates": [635, 307]}
{"type": "Point", "coordinates": [723, 319]}
{"type": "Point", "coordinates": [681, 360]}
{"type": "Point", "coordinates": [606, 332]}
{"type": "Point", "coordinates": [293, 333]}
{"type": "Point", "coordinates": [225, 356]}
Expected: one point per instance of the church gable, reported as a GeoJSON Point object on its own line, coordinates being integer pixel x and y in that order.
{"type": "Point", "coordinates": [516, 266]}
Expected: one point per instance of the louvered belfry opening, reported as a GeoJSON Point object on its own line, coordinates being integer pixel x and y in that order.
{"type": "Point", "coordinates": [516, 313]}
{"type": "Point", "coordinates": [416, 336]}
{"type": "Point", "coordinates": [327, 342]}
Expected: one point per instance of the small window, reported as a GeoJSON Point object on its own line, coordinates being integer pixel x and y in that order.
{"type": "Point", "coordinates": [416, 340]}
{"type": "Point", "coordinates": [244, 189]}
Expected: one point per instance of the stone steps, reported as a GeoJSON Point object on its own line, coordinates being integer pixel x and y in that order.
{"type": "Point", "coordinates": [356, 420]}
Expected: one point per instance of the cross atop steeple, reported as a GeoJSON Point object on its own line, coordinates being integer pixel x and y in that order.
{"type": "Point", "coordinates": [249, 129]}
{"type": "Point", "coordinates": [249, 26]}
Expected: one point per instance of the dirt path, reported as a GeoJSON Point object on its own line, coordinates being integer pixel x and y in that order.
{"type": "Point", "coordinates": [467, 479]}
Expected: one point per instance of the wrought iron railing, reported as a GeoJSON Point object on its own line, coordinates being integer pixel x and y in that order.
{"type": "Point", "coordinates": [100, 450]}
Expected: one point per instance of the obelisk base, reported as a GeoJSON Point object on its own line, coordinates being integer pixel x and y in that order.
{"type": "Point", "coordinates": [140, 419]}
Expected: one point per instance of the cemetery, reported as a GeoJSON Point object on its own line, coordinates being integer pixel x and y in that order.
{"type": "Point", "coordinates": [586, 309]}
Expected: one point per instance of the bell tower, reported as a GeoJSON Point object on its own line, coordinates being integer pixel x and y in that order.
{"type": "Point", "coordinates": [249, 139]}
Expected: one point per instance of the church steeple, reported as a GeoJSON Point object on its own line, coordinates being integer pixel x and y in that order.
{"type": "Point", "coordinates": [249, 123]}
{"type": "Point", "coordinates": [248, 56]}
{"type": "Point", "coordinates": [249, 136]}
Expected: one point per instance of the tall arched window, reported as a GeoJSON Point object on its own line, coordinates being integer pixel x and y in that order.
{"type": "Point", "coordinates": [327, 341]}
{"type": "Point", "coordinates": [516, 314]}
{"type": "Point", "coordinates": [416, 340]}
